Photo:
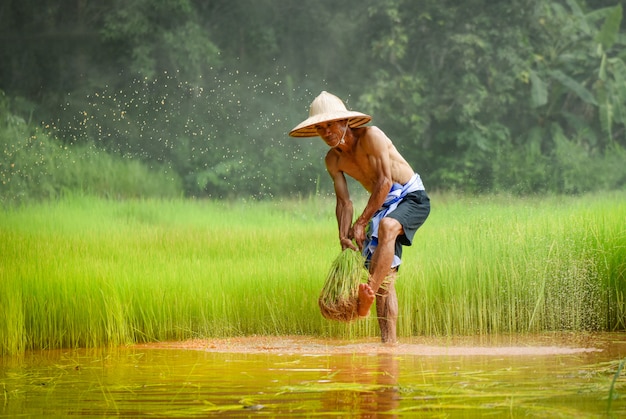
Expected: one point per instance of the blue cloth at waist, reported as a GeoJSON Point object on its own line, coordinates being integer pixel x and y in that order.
{"type": "Point", "coordinates": [396, 194]}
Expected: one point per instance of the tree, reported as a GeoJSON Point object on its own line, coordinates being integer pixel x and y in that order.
{"type": "Point", "coordinates": [523, 96]}
{"type": "Point", "coordinates": [449, 80]}
{"type": "Point", "coordinates": [483, 94]}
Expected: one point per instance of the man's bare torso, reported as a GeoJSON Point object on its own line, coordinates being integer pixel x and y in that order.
{"type": "Point", "coordinates": [371, 149]}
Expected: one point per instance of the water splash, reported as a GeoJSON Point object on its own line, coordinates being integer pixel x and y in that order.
{"type": "Point", "coordinates": [224, 134]}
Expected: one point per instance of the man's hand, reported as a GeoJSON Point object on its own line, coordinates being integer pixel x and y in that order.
{"type": "Point", "coordinates": [358, 231]}
{"type": "Point", "coordinates": [347, 243]}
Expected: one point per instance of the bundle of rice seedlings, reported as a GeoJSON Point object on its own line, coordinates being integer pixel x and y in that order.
{"type": "Point", "coordinates": [339, 297]}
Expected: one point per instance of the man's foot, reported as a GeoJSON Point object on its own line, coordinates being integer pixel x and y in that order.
{"type": "Point", "coordinates": [366, 299]}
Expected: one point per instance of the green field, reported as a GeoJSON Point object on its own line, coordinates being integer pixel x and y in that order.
{"type": "Point", "coordinates": [88, 272]}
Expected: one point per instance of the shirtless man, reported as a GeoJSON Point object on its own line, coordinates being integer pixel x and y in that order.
{"type": "Point", "coordinates": [398, 204]}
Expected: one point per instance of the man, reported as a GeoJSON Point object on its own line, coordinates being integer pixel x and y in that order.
{"type": "Point", "coordinates": [398, 204]}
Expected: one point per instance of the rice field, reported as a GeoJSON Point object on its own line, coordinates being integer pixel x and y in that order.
{"type": "Point", "coordinates": [89, 272]}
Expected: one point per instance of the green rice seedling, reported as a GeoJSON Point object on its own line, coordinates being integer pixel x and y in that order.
{"type": "Point", "coordinates": [87, 272]}
{"type": "Point", "coordinates": [494, 265]}
{"type": "Point", "coordinates": [339, 297]}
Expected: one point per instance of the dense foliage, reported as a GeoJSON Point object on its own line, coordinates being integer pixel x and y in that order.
{"type": "Point", "coordinates": [523, 96]}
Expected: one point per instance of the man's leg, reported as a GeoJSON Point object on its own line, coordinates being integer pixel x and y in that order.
{"type": "Point", "coordinates": [388, 230]}
{"type": "Point", "coordinates": [387, 308]}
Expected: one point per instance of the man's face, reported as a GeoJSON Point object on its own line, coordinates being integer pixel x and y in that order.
{"type": "Point", "coordinates": [331, 132]}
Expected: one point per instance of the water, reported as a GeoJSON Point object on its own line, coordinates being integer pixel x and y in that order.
{"type": "Point", "coordinates": [301, 377]}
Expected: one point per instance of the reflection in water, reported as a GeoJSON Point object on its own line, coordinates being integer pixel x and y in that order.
{"type": "Point", "coordinates": [179, 382]}
{"type": "Point", "coordinates": [386, 398]}
{"type": "Point", "coordinates": [368, 388]}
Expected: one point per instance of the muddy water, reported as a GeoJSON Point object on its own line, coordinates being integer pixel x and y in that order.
{"type": "Point", "coordinates": [547, 376]}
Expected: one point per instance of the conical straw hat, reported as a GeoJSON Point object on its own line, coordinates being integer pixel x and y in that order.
{"type": "Point", "coordinates": [325, 108]}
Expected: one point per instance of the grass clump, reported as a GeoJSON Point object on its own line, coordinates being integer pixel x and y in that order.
{"type": "Point", "coordinates": [85, 272]}
{"type": "Point", "coordinates": [339, 297]}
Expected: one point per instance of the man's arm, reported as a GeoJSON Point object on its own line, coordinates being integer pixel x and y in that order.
{"type": "Point", "coordinates": [344, 210]}
{"type": "Point", "coordinates": [377, 150]}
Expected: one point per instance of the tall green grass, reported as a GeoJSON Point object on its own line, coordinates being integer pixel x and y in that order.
{"type": "Point", "coordinates": [91, 272]}
{"type": "Point", "coordinates": [496, 265]}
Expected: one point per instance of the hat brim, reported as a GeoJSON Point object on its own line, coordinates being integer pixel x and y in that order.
{"type": "Point", "coordinates": [307, 127]}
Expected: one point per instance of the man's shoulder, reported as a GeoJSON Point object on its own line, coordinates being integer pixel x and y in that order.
{"type": "Point", "coordinates": [372, 135]}
{"type": "Point", "coordinates": [370, 130]}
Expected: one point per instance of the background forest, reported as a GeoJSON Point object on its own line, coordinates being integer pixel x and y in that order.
{"type": "Point", "coordinates": [195, 98]}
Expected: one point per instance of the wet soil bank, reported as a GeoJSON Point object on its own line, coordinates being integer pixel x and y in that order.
{"type": "Point", "coordinates": [501, 345]}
